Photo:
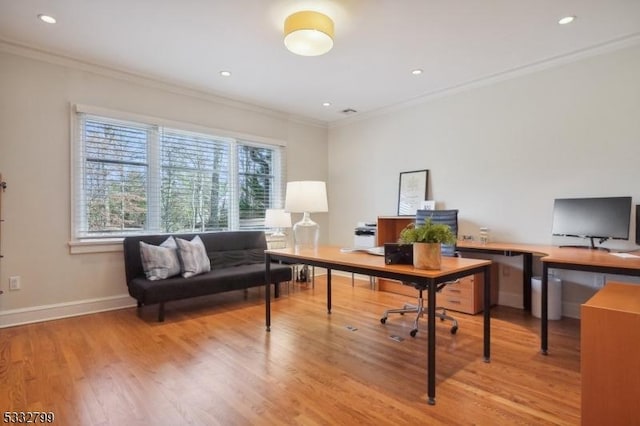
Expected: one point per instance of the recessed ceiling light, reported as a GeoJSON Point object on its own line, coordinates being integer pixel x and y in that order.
{"type": "Point", "coordinates": [566, 20]}
{"type": "Point", "coordinates": [417, 71]}
{"type": "Point", "coordinates": [326, 104]}
{"type": "Point", "coordinates": [225, 73]}
{"type": "Point", "coordinates": [46, 18]}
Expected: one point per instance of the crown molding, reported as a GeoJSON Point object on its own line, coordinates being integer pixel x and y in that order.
{"type": "Point", "coordinates": [32, 52]}
{"type": "Point", "coordinates": [556, 61]}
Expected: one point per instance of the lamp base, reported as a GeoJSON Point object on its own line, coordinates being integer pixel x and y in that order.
{"type": "Point", "coordinates": [306, 233]}
{"type": "Point", "coordinates": [278, 234]}
{"type": "Point", "coordinates": [277, 240]}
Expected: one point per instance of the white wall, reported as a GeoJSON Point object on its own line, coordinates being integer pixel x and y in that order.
{"type": "Point", "coordinates": [36, 93]}
{"type": "Point", "coordinates": [500, 154]}
{"type": "Point", "coordinates": [505, 151]}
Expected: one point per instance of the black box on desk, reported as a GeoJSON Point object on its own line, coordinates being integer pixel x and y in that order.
{"type": "Point", "coordinates": [398, 254]}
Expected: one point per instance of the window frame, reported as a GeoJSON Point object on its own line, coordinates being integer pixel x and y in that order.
{"type": "Point", "coordinates": [79, 243]}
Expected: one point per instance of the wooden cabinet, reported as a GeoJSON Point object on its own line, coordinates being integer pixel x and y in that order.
{"type": "Point", "coordinates": [468, 294]}
{"type": "Point", "coordinates": [465, 296]}
{"type": "Point", "coordinates": [388, 228]}
{"type": "Point", "coordinates": [610, 355]}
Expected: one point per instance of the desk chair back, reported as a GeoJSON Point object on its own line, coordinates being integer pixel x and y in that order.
{"type": "Point", "coordinates": [447, 217]}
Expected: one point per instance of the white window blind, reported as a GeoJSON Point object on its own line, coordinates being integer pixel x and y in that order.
{"type": "Point", "coordinates": [133, 177]}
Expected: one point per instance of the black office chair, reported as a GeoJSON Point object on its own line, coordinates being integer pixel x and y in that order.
{"type": "Point", "coordinates": [447, 217]}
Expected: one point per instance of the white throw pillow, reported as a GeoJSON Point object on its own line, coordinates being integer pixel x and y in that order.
{"type": "Point", "coordinates": [160, 262]}
{"type": "Point", "coordinates": [193, 257]}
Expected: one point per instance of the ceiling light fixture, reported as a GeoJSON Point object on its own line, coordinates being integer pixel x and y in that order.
{"type": "Point", "coordinates": [225, 73]}
{"type": "Point", "coordinates": [308, 33]}
{"type": "Point", "coordinates": [417, 71]}
{"type": "Point", "coordinates": [566, 20]}
{"type": "Point", "coordinates": [326, 104]}
{"type": "Point", "coordinates": [46, 18]}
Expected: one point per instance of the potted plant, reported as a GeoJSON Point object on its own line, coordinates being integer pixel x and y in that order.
{"type": "Point", "coordinates": [427, 240]}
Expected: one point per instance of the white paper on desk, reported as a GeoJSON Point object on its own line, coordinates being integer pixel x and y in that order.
{"type": "Point", "coordinates": [378, 251]}
{"type": "Point", "coordinates": [626, 255]}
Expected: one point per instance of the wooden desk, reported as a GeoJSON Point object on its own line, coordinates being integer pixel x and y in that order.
{"type": "Point", "coordinates": [552, 257]}
{"type": "Point", "coordinates": [367, 264]}
{"type": "Point", "coordinates": [610, 356]}
{"type": "Point", "coordinates": [579, 259]}
{"type": "Point", "coordinates": [527, 251]}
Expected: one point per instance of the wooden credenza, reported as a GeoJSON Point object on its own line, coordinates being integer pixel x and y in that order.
{"type": "Point", "coordinates": [610, 356]}
{"type": "Point", "coordinates": [466, 296]}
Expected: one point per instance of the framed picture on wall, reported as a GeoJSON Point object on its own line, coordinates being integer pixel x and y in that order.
{"type": "Point", "coordinates": [412, 191]}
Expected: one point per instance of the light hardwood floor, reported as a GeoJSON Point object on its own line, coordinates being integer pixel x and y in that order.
{"type": "Point", "coordinates": [212, 362]}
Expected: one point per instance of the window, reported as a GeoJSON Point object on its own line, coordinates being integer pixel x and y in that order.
{"type": "Point", "coordinates": [137, 176]}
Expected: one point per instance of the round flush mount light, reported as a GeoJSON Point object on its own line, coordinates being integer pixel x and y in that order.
{"type": "Point", "coordinates": [46, 18]}
{"type": "Point", "coordinates": [417, 71]}
{"type": "Point", "coordinates": [308, 33]}
{"type": "Point", "coordinates": [566, 20]}
{"type": "Point", "coordinates": [326, 104]}
{"type": "Point", "coordinates": [225, 73]}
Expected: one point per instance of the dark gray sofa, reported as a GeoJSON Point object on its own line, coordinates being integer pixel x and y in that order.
{"type": "Point", "coordinates": [237, 262]}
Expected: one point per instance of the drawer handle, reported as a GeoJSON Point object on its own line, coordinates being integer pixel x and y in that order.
{"type": "Point", "coordinates": [454, 301]}
{"type": "Point", "coordinates": [454, 290]}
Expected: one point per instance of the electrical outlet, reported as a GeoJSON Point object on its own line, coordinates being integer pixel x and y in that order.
{"type": "Point", "coordinates": [14, 283]}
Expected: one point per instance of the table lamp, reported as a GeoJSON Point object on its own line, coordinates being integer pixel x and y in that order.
{"type": "Point", "coordinates": [278, 219]}
{"type": "Point", "coordinates": [306, 197]}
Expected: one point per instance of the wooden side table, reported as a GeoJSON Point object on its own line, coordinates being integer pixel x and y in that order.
{"type": "Point", "coordinates": [610, 355]}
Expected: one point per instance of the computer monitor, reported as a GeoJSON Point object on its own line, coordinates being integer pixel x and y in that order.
{"type": "Point", "coordinates": [594, 218]}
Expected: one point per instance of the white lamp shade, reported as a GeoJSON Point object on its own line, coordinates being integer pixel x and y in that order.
{"type": "Point", "coordinates": [306, 196]}
{"type": "Point", "coordinates": [277, 218]}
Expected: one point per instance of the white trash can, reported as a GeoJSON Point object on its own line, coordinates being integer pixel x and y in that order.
{"type": "Point", "coordinates": [554, 297]}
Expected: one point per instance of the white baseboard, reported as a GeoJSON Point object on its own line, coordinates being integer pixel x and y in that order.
{"type": "Point", "coordinates": [15, 317]}
{"type": "Point", "coordinates": [64, 310]}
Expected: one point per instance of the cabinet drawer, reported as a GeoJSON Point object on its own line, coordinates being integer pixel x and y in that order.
{"type": "Point", "coordinates": [464, 296]}
{"type": "Point", "coordinates": [457, 302]}
{"type": "Point", "coordinates": [463, 288]}
{"type": "Point", "coordinates": [461, 296]}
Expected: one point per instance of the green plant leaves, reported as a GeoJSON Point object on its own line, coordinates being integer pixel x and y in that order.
{"type": "Point", "coordinates": [428, 233]}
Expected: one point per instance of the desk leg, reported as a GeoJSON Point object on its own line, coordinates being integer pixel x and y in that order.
{"type": "Point", "coordinates": [527, 272]}
{"type": "Point", "coordinates": [431, 348]}
{"type": "Point", "coordinates": [487, 313]}
{"type": "Point", "coordinates": [329, 291]}
{"type": "Point", "coordinates": [543, 309]}
{"type": "Point", "coordinates": [267, 293]}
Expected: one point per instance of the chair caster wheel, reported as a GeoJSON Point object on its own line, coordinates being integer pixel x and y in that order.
{"type": "Point", "coordinates": [413, 333]}
{"type": "Point", "coordinates": [383, 320]}
{"type": "Point", "coordinates": [454, 329]}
